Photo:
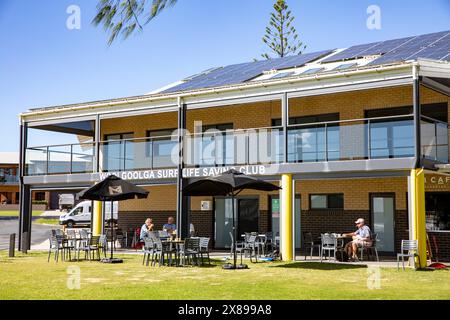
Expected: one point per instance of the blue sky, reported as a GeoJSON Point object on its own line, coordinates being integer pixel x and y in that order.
{"type": "Point", "coordinates": [42, 63]}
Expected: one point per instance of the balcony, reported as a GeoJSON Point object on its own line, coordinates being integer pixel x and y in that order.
{"type": "Point", "coordinates": [358, 139]}
{"type": "Point", "coordinates": [8, 179]}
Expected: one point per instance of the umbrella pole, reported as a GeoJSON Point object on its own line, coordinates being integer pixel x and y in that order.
{"type": "Point", "coordinates": [112, 228]}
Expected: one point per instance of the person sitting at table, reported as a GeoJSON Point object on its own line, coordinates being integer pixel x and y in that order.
{"type": "Point", "coordinates": [146, 228]}
{"type": "Point", "coordinates": [170, 226]}
{"type": "Point", "coordinates": [361, 239]}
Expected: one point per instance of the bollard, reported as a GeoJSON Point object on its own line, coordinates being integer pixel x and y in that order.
{"type": "Point", "coordinates": [12, 244]}
{"type": "Point", "coordinates": [25, 242]}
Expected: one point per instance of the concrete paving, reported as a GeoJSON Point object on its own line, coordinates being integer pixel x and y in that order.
{"type": "Point", "coordinates": [38, 235]}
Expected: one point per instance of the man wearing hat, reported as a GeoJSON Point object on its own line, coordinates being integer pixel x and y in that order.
{"type": "Point", "coordinates": [361, 239]}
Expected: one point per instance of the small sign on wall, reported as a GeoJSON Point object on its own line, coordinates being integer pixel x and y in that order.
{"type": "Point", "coordinates": [205, 205]}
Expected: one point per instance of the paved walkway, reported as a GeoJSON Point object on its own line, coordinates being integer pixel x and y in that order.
{"type": "Point", "coordinates": [38, 235]}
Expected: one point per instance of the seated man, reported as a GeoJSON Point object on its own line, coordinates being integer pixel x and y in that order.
{"type": "Point", "coordinates": [170, 226]}
{"type": "Point", "coordinates": [361, 238]}
{"type": "Point", "coordinates": [146, 227]}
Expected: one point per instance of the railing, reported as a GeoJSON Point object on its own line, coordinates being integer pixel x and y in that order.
{"type": "Point", "coordinates": [60, 159]}
{"type": "Point", "coordinates": [357, 139]}
{"type": "Point", "coordinates": [9, 179]}
{"type": "Point", "coordinates": [138, 154]}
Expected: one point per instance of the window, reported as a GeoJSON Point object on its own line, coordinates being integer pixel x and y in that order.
{"type": "Point", "coordinates": [313, 141]}
{"type": "Point", "coordinates": [437, 211]}
{"type": "Point", "coordinates": [118, 152]}
{"type": "Point", "coordinates": [345, 66]}
{"type": "Point", "coordinates": [39, 196]}
{"type": "Point", "coordinates": [159, 148]}
{"type": "Point", "coordinates": [216, 149]}
{"type": "Point", "coordinates": [313, 70]}
{"type": "Point", "coordinates": [326, 201]}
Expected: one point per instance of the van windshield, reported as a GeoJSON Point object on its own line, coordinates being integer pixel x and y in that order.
{"type": "Point", "coordinates": [76, 211]}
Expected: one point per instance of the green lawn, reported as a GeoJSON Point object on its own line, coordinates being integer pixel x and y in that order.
{"type": "Point", "coordinates": [31, 277]}
{"type": "Point", "coordinates": [16, 213]}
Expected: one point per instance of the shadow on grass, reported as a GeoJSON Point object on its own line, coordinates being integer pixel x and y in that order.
{"type": "Point", "coordinates": [319, 266]}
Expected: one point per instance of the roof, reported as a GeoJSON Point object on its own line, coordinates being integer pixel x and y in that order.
{"type": "Point", "coordinates": [371, 57]}
{"type": "Point", "coordinates": [434, 46]}
{"type": "Point", "coordinates": [9, 158]}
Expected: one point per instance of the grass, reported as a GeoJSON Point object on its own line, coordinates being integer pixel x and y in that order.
{"type": "Point", "coordinates": [31, 277]}
{"type": "Point", "coordinates": [46, 221]}
{"type": "Point", "coordinates": [16, 213]}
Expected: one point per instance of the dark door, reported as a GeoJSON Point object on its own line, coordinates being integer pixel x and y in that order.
{"type": "Point", "coordinates": [248, 220]}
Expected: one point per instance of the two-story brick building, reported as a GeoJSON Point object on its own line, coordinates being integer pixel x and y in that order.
{"type": "Point", "coordinates": [345, 132]}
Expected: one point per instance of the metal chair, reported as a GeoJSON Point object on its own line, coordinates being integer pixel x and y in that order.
{"type": "Point", "coordinates": [329, 243]}
{"type": "Point", "coordinates": [160, 250]}
{"type": "Point", "coordinates": [409, 249]}
{"type": "Point", "coordinates": [90, 248]}
{"type": "Point", "coordinates": [239, 244]}
{"type": "Point", "coordinates": [55, 247]}
{"type": "Point", "coordinates": [148, 249]}
{"type": "Point", "coordinates": [191, 250]}
{"type": "Point", "coordinates": [251, 247]}
{"type": "Point", "coordinates": [204, 249]}
{"type": "Point", "coordinates": [103, 244]}
{"type": "Point", "coordinates": [310, 244]}
{"type": "Point", "coordinates": [372, 248]}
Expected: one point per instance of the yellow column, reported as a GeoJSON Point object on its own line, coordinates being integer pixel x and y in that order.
{"type": "Point", "coordinates": [97, 215]}
{"type": "Point", "coordinates": [287, 219]}
{"type": "Point", "coordinates": [418, 225]}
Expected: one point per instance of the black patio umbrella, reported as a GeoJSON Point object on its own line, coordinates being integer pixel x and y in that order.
{"type": "Point", "coordinates": [113, 189]}
{"type": "Point", "coordinates": [230, 183]}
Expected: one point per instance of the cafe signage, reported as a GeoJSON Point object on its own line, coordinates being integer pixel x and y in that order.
{"type": "Point", "coordinates": [437, 182]}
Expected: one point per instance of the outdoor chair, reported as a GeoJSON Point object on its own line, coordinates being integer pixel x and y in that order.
{"type": "Point", "coordinates": [372, 249]}
{"type": "Point", "coordinates": [90, 248]}
{"type": "Point", "coordinates": [409, 249]}
{"type": "Point", "coordinates": [160, 251]}
{"type": "Point", "coordinates": [103, 244]}
{"type": "Point", "coordinates": [239, 244]}
{"type": "Point", "coordinates": [251, 247]}
{"type": "Point", "coordinates": [191, 251]}
{"type": "Point", "coordinates": [148, 249]}
{"type": "Point", "coordinates": [55, 247]}
{"type": "Point", "coordinates": [330, 244]}
{"type": "Point", "coordinates": [204, 249]}
{"type": "Point", "coordinates": [309, 244]}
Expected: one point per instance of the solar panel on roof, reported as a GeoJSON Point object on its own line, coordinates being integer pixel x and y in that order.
{"type": "Point", "coordinates": [242, 72]}
{"type": "Point", "coordinates": [417, 47]}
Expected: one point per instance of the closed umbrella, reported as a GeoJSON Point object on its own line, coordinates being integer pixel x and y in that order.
{"type": "Point", "coordinates": [113, 189]}
{"type": "Point", "coordinates": [230, 183]}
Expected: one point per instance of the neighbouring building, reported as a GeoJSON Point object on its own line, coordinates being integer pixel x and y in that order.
{"type": "Point", "coordinates": [345, 132]}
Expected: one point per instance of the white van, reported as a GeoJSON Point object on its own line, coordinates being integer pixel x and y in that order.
{"type": "Point", "coordinates": [81, 214]}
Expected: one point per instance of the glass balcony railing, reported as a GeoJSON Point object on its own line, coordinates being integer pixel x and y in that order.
{"type": "Point", "coordinates": [139, 154]}
{"type": "Point", "coordinates": [60, 159]}
{"type": "Point", "coordinates": [9, 179]}
{"type": "Point", "coordinates": [360, 139]}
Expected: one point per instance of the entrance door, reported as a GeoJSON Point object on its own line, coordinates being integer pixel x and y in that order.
{"type": "Point", "coordinates": [248, 216]}
{"type": "Point", "coordinates": [275, 210]}
{"type": "Point", "coordinates": [383, 208]}
{"type": "Point", "coordinates": [247, 219]}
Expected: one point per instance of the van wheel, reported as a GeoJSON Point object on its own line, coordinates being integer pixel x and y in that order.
{"type": "Point", "coordinates": [70, 224]}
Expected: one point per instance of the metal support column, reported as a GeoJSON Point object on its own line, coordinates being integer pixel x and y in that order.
{"type": "Point", "coordinates": [25, 216]}
{"type": "Point", "coordinates": [285, 123]}
{"type": "Point", "coordinates": [182, 201]}
{"type": "Point", "coordinates": [417, 119]}
{"type": "Point", "coordinates": [97, 138]}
